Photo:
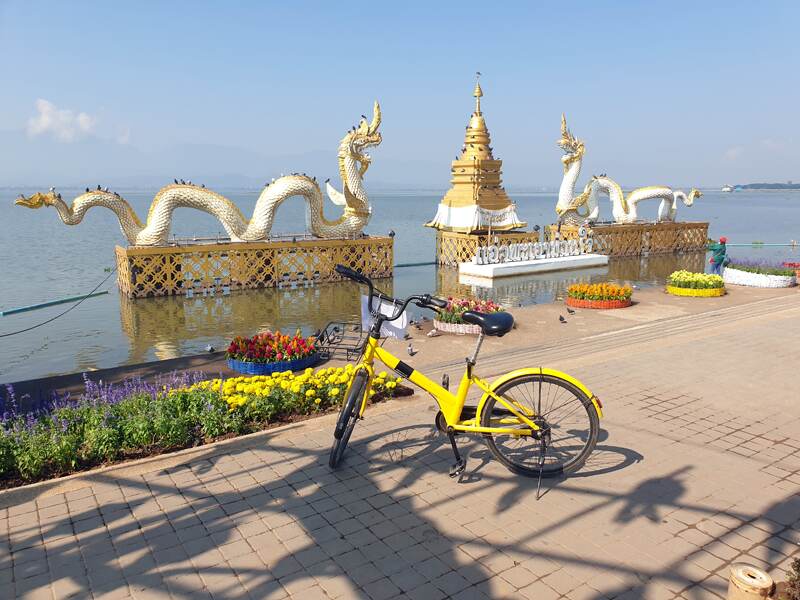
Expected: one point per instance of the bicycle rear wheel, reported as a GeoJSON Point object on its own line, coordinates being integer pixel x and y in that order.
{"type": "Point", "coordinates": [347, 418]}
{"type": "Point", "coordinates": [568, 421]}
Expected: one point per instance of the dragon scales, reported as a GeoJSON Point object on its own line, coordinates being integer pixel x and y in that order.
{"type": "Point", "coordinates": [623, 208]}
{"type": "Point", "coordinates": [353, 164]}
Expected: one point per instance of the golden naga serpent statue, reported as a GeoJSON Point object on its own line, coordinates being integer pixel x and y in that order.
{"type": "Point", "coordinates": [353, 164]}
{"type": "Point", "coordinates": [623, 208]}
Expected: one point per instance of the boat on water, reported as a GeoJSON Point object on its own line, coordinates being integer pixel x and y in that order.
{"type": "Point", "coordinates": [727, 188]}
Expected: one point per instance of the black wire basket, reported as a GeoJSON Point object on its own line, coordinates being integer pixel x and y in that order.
{"type": "Point", "coordinates": [341, 339]}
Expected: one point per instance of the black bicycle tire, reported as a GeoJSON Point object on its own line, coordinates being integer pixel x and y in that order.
{"type": "Point", "coordinates": [347, 419]}
{"type": "Point", "coordinates": [569, 467]}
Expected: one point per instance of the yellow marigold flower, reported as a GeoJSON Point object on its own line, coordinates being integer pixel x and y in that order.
{"type": "Point", "coordinates": [311, 393]}
{"type": "Point", "coordinates": [383, 374]}
{"type": "Point", "coordinates": [333, 392]}
{"type": "Point", "coordinates": [317, 401]}
{"type": "Point", "coordinates": [391, 385]}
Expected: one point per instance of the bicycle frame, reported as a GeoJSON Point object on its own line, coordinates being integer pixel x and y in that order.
{"type": "Point", "coordinates": [450, 404]}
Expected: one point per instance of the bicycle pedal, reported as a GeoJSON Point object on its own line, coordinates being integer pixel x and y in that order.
{"type": "Point", "coordinates": [458, 468]}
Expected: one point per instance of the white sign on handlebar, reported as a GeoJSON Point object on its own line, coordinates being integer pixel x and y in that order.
{"type": "Point", "coordinates": [395, 329]}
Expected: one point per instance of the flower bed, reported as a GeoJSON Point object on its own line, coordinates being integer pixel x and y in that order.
{"type": "Point", "coordinates": [270, 352]}
{"type": "Point", "coordinates": [598, 295]}
{"type": "Point", "coordinates": [736, 276]}
{"type": "Point", "coordinates": [449, 319]}
{"type": "Point", "coordinates": [698, 285]}
{"type": "Point", "coordinates": [137, 419]}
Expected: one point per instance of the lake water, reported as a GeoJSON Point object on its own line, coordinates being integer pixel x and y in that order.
{"type": "Point", "coordinates": [42, 259]}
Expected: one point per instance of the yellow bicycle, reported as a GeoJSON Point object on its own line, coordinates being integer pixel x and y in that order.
{"type": "Point", "coordinates": [536, 421]}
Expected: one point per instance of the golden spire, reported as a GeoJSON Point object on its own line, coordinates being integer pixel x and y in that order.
{"type": "Point", "coordinates": [475, 177]}
{"type": "Point", "coordinates": [477, 93]}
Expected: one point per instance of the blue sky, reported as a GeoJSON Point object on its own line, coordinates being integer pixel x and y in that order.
{"type": "Point", "coordinates": [681, 93]}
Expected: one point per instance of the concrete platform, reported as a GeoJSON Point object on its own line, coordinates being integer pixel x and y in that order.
{"type": "Point", "coordinates": [526, 267]}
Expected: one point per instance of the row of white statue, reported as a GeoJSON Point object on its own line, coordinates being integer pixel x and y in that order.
{"type": "Point", "coordinates": [357, 210]}
{"type": "Point", "coordinates": [585, 207]}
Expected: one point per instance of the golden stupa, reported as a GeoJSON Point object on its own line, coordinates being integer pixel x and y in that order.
{"type": "Point", "coordinates": [477, 201]}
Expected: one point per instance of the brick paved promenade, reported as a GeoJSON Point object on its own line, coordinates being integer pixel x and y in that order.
{"type": "Point", "coordinates": [698, 466]}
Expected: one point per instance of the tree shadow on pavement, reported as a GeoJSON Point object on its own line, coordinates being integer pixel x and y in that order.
{"type": "Point", "coordinates": [263, 521]}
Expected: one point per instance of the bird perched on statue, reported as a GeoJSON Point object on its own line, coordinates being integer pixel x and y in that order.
{"type": "Point", "coordinates": [98, 187]}
{"type": "Point", "coordinates": [410, 350]}
{"type": "Point", "coordinates": [176, 181]}
{"type": "Point", "coordinates": [391, 233]}
{"type": "Point", "coordinates": [562, 319]}
{"type": "Point", "coordinates": [87, 190]}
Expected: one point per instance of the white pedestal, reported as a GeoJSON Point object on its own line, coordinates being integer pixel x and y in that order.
{"type": "Point", "coordinates": [526, 267]}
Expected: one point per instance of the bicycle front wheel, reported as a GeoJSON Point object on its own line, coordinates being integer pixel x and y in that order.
{"type": "Point", "coordinates": [347, 418]}
{"type": "Point", "coordinates": [567, 418]}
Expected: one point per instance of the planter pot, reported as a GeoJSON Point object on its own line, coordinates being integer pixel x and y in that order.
{"type": "Point", "coordinates": [793, 265]}
{"type": "Point", "coordinates": [251, 368]}
{"type": "Point", "coordinates": [459, 328]}
{"type": "Point", "coordinates": [601, 304]}
{"type": "Point", "coordinates": [695, 293]}
{"type": "Point", "coordinates": [737, 277]}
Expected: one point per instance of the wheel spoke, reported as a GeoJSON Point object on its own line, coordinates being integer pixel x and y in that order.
{"type": "Point", "coordinates": [563, 414]}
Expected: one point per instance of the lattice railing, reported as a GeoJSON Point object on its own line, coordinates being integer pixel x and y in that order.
{"type": "Point", "coordinates": [170, 270]}
{"type": "Point", "coordinates": [639, 239]}
{"type": "Point", "coordinates": [454, 248]}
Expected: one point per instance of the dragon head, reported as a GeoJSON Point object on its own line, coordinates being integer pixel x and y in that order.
{"type": "Point", "coordinates": [362, 137]}
{"type": "Point", "coordinates": [572, 147]}
{"type": "Point", "coordinates": [694, 194]}
{"type": "Point", "coordinates": [38, 200]}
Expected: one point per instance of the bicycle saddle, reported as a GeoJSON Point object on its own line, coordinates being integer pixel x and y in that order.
{"type": "Point", "coordinates": [497, 324]}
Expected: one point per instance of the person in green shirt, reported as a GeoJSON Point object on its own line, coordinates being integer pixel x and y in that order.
{"type": "Point", "coordinates": [719, 255]}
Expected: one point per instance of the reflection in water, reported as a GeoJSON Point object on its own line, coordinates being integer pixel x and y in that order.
{"type": "Point", "coordinates": [167, 327]}
{"type": "Point", "coordinates": [171, 326]}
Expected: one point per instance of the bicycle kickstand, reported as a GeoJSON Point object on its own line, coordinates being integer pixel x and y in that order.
{"type": "Point", "coordinates": [542, 456]}
{"type": "Point", "coordinates": [461, 463]}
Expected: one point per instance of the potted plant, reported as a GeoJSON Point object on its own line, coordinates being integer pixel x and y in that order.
{"type": "Point", "coordinates": [598, 295]}
{"type": "Point", "coordinates": [795, 266]}
{"type": "Point", "coordinates": [759, 274]}
{"type": "Point", "coordinates": [450, 319]}
{"type": "Point", "coordinates": [271, 352]}
{"type": "Point", "coordinates": [698, 285]}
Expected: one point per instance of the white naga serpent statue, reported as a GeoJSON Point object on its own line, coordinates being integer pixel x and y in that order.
{"type": "Point", "coordinates": [353, 164]}
{"type": "Point", "coordinates": [623, 208]}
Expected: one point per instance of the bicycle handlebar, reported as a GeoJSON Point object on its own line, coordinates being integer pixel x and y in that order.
{"type": "Point", "coordinates": [354, 275]}
{"type": "Point", "coordinates": [424, 301]}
